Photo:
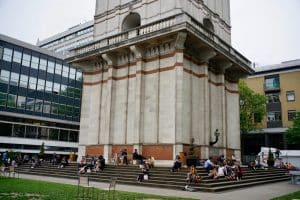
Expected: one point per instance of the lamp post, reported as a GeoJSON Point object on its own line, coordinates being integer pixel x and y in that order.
{"type": "Point", "coordinates": [217, 134]}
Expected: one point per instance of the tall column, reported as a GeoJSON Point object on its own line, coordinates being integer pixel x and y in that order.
{"type": "Point", "coordinates": [205, 56]}
{"type": "Point", "coordinates": [138, 136]}
{"type": "Point", "coordinates": [179, 48]}
{"type": "Point", "coordinates": [106, 119]}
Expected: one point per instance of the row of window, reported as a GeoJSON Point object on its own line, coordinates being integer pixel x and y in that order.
{"type": "Point", "coordinates": [276, 116]}
{"type": "Point", "coordinates": [37, 147]}
{"type": "Point", "coordinates": [274, 97]}
{"type": "Point", "coordinates": [74, 44]}
{"type": "Point", "coordinates": [38, 105]}
{"type": "Point", "coordinates": [34, 132]}
{"type": "Point", "coordinates": [24, 81]}
{"type": "Point", "coordinates": [69, 37]}
{"type": "Point", "coordinates": [34, 62]}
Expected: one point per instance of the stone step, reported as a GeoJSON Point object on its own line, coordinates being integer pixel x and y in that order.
{"type": "Point", "coordinates": [160, 177]}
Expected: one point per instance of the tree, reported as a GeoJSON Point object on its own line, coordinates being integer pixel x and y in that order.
{"type": "Point", "coordinates": [293, 133]}
{"type": "Point", "coordinates": [252, 108]}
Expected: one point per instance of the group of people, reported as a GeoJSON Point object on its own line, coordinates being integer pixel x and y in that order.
{"type": "Point", "coordinates": [229, 169]}
{"type": "Point", "coordinates": [89, 164]}
{"type": "Point", "coordinates": [60, 161]}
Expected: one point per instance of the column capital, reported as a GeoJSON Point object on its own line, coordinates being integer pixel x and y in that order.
{"type": "Point", "coordinates": [180, 40]}
{"type": "Point", "coordinates": [138, 51]}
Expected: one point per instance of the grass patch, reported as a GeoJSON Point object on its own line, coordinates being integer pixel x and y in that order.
{"type": "Point", "coordinates": [291, 196]}
{"type": "Point", "coordinates": [23, 189]}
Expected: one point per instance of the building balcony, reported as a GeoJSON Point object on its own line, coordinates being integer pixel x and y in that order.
{"type": "Point", "coordinates": [165, 27]}
{"type": "Point", "coordinates": [273, 107]}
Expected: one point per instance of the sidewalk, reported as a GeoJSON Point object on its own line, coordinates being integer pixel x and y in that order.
{"type": "Point", "coordinates": [261, 192]}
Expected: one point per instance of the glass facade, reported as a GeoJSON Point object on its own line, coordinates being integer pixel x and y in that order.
{"type": "Point", "coordinates": [37, 84]}
{"type": "Point", "coordinates": [40, 99]}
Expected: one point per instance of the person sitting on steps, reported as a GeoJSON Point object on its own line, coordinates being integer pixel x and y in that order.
{"type": "Point", "coordinates": [177, 164]}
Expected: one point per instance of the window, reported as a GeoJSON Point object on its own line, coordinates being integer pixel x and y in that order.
{"type": "Point", "coordinates": [47, 106]}
{"type": "Point", "coordinates": [58, 69]}
{"type": "Point", "coordinates": [43, 64]}
{"type": "Point", "coordinates": [65, 71]}
{"type": "Point", "coordinates": [42, 133]}
{"type": "Point", "coordinates": [2, 99]}
{"type": "Point", "coordinates": [272, 83]}
{"type": "Point", "coordinates": [63, 135]}
{"type": "Point", "coordinates": [30, 104]}
{"type": "Point", "coordinates": [69, 111]}
{"type": "Point", "coordinates": [78, 76]}
{"type": "Point", "coordinates": [35, 62]}
{"type": "Point", "coordinates": [23, 81]}
{"type": "Point", "coordinates": [11, 100]}
{"type": "Point", "coordinates": [131, 21]}
{"type": "Point", "coordinates": [17, 57]}
{"type": "Point", "coordinates": [63, 90]}
{"type": "Point", "coordinates": [31, 132]}
{"type": "Point", "coordinates": [50, 68]}
{"type": "Point", "coordinates": [291, 115]}
{"type": "Point", "coordinates": [53, 134]}
{"type": "Point", "coordinates": [7, 54]}
{"type": "Point", "coordinates": [26, 60]}
{"type": "Point", "coordinates": [54, 108]}
{"type": "Point", "coordinates": [77, 93]}
{"type": "Point", "coordinates": [18, 130]}
{"type": "Point", "coordinates": [56, 88]}
{"type": "Point", "coordinates": [274, 116]}
{"type": "Point", "coordinates": [73, 136]}
{"type": "Point", "coordinates": [6, 129]}
{"type": "Point", "coordinates": [38, 106]}
{"type": "Point", "coordinates": [273, 98]}
{"type": "Point", "coordinates": [76, 111]}
{"type": "Point", "coordinates": [32, 83]}
{"type": "Point", "coordinates": [49, 86]}
{"type": "Point", "coordinates": [14, 79]}
{"type": "Point", "coordinates": [72, 73]}
{"type": "Point", "coordinates": [41, 84]}
{"type": "Point", "coordinates": [290, 96]}
{"type": "Point", "coordinates": [62, 109]}
{"type": "Point", "coordinates": [4, 76]}
{"type": "Point", "coordinates": [21, 103]}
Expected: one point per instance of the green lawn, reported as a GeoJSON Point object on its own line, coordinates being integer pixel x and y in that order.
{"type": "Point", "coordinates": [23, 189]}
{"type": "Point", "coordinates": [292, 196]}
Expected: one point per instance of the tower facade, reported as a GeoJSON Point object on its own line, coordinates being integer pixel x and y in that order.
{"type": "Point", "coordinates": [158, 74]}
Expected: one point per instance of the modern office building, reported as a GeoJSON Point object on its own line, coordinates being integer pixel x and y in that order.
{"type": "Point", "coordinates": [158, 75]}
{"type": "Point", "coordinates": [71, 38]}
{"type": "Point", "coordinates": [40, 97]}
{"type": "Point", "coordinates": [281, 85]}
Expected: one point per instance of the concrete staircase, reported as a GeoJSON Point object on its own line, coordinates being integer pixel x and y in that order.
{"type": "Point", "coordinates": [161, 177]}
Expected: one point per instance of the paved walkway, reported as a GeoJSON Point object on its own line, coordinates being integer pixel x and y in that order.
{"type": "Point", "coordinates": [261, 192]}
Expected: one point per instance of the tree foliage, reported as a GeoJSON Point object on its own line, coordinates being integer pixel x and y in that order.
{"type": "Point", "coordinates": [293, 133]}
{"type": "Point", "coordinates": [252, 107]}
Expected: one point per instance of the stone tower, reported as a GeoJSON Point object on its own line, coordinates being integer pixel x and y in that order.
{"type": "Point", "coordinates": [159, 74]}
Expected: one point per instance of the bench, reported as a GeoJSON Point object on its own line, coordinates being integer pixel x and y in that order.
{"type": "Point", "coordinates": [295, 177]}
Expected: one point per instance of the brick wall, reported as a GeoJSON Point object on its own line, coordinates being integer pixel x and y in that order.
{"type": "Point", "coordinates": [118, 148]}
{"type": "Point", "coordinates": [94, 150]}
{"type": "Point", "coordinates": [159, 152]}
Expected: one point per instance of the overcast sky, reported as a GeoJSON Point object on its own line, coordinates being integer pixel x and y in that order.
{"type": "Point", "coordinates": [265, 31]}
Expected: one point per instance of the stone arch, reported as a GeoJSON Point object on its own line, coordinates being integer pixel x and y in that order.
{"type": "Point", "coordinates": [131, 21]}
{"type": "Point", "coordinates": [208, 24]}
